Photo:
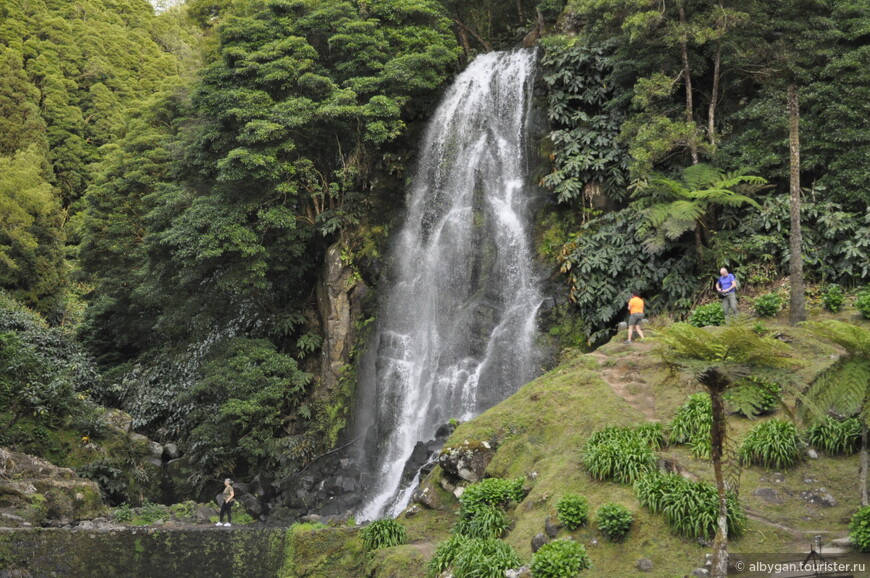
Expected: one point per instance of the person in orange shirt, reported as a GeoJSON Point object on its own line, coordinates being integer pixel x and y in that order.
{"type": "Point", "coordinates": [635, 315]}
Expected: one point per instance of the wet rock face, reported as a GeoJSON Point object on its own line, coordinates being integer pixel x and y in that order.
{"type": "Point", "coordinates": [340, 294]}
{"type": "Point", "coordinates": [467, 461]}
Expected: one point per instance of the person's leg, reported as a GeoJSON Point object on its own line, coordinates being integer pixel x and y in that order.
{"type": "Point", "coordinates": [229, 506]}
{"type": "Point", "coordinates": [638, 328]}
{"type": "Point", "coordinates": [732, 302]}
{"type": "Point", "coordinates": [630, 331]}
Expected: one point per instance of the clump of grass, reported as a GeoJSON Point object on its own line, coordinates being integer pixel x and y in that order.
{"type": "Point", "coordinates": [690, 509]}
{"type": "Point", "coordinates": [486, 522]}
{"type": "Point", "coordinates": [835, 437]}
{"type": "Point", "coordinates": [621, 454]}
{"type": "Point", "coordinates": [692, 425]}
{"type": "Point", "coordinates": [473, 558]}
{"type": "Point", "coordinates": [772, 444]}
{"type": "Point", "coordinates": [383, 534]}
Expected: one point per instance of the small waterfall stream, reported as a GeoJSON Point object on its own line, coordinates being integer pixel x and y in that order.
{"type": "Point", "coordinates": [456, 329]}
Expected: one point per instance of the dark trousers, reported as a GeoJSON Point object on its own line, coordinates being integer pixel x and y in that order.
{"type": "Point", "coordinates": [227, 508]}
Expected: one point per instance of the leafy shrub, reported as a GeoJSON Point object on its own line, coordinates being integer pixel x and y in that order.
{"type": "Point", "coordinates": [150, 513]}
{"type": "Point", "coordinates": [690, 508]}
{"type": "Point", "coordinates": [620, 454]}
{"type": "Point", "coordinates": [110, 477]}
{"type": "Point", "coordinates": [859, 529]}
{"type": "Point", "coordinates": [706, 315]}
{"type": "Point", "coordinates": [692, 424]}
{"type": "Point", "coordinates": [123, 513]}
{"type": "Point", "coordinates": [573, 510]}
{"type": "Point", "coordinates": [560, 559]}
{"type": "Point", "coordinates": [614, 521]}
{"type": "Point", "coordinates": [496, 492]}
{"type": "Point", "coordinates": [754, 396]}
{"type": "Point", "coordinates": [772, 444]}
{"type": "Point", "coordinates": [862, 302]}
{"type": "Point", "coordinates": [835, 436]}
{"type": "Point", "coordinates": [484, 558]}
{"type": "Point", "coordinates": [768, 305]}
{"type": "Point", "coordinates": [383, 534]}
{"type": "Point", "coordinates": [833, 298]}
{"type": "Point", "coordinates": [485, 522]}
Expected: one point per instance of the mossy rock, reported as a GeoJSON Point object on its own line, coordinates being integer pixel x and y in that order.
{"type": "Point", "coordinates": [316, 552]}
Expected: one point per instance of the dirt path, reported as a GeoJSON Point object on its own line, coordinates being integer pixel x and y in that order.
{"type": "Point", "coordinates": [626, 382]}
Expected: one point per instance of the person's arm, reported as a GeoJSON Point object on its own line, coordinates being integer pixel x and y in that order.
{"type": "Point", "coordinates": [718, 286]}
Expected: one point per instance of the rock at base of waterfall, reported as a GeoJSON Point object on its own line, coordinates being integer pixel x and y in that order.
{"type": "Point", "coordinates": [467, 461]}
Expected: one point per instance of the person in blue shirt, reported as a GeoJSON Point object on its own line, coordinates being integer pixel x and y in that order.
{"type": "Point", "coordinates": [726, 285]}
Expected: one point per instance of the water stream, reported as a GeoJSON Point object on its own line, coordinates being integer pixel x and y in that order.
{"type": "Point", "coordinates": [456, 328]}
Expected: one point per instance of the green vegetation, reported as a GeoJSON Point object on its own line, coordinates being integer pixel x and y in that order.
{"type": "Point", "coordinates": [383, 534]}
{"type": "Point", "coordinates": [833, 298]}
{"type": "Point", "coordinates": [844, 386]}
{"type": "Point", "coordinates": [620, 454]}
{"type": "Point", "coordinates": [862, 303]}
{"type": "Point", "coordinates": [474, 557]}
{"type": "Point", "coordinates": [614, 521]}
{"type": "Point", "coordinates": [691, 509]}
{"type": "Point", "coordinates": [767, 305]}
{"type": "Point", "coordinates": [707, 315]}
{"type": "Point", "coordinates": [754, 396]}
{"type": "Point", "coordinates": [859, 529]}
{"type": "Point", "coordinates": [573, 511]}
{"type": "Point", "coordinates": [774, 444]}
{"type": "Point", "coordinates": [560, 559]}
{"type": "Point", "coordinates": [692, 425]}
{"type": "Point", "coordinates": [835, 436]}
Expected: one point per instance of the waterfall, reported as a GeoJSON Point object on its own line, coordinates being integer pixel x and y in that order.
{"type": "Point", "coordinates": [456, 327]}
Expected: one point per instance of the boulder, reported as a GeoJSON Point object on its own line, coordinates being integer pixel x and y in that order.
{"type": "Point", "coordinates": [644, 565]}
{"type": "Point", "coordinates": [468, 461]}
{"type": "Point", "coordinates": [538, 541]}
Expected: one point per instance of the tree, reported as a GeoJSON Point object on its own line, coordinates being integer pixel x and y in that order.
{"type": "Point", "coordinates": [845, 386]}
{"type": "Point", "coordinates": [31, 239]}
{"type": "Point", "coordinates": [671, 208]}
{"type": "Point", "coordinates": [796, 312]}
{"type": "Point", "coordinates": [718, 359]}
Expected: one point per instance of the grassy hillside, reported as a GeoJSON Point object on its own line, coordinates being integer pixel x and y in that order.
{"type": "Point", "coordinates": [539, 433]}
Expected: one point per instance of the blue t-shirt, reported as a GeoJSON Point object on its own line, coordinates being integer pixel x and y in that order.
{"type": "Point", "coordinates": [726, 281]}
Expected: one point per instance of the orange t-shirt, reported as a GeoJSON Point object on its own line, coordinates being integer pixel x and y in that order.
{"type": "Point", "coordinates": [635, 305]}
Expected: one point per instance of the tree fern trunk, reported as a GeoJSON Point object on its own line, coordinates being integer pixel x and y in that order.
{"type": "Point", "coordinates": [716, 383]}
{"type": "Point", "coordinates": [796, 311]}
{"type": "Point", "coordinates": [864, 501]}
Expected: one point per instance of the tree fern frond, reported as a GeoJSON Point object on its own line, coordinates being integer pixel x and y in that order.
{"type": "Point", "coordinates": [854, 339]}
{"type": "Point", "coordinates": [701, 175]}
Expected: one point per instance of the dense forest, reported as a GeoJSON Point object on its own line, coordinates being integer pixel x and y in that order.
{"type": "Point", "coordinates": [171, 183]}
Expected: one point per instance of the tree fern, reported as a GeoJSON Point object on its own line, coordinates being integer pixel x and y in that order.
{"type": "Point", "coordinates": [671, 208]}
{"type": "Point", "coordinates": [845, 386]}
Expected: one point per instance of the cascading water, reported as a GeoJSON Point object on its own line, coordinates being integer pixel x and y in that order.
{"type": "Point", "coordinates": [457, 327]}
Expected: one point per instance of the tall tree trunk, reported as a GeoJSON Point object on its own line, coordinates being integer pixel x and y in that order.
{"type": "Point", "coordinates": [687, 76]}
{"type": "Point", "coordinates": [796, 312]}
{"type": "Point", "coordinates": [714, 96]}
{"type": "Point", "coordinates": [863, 474]}
{"type": "Point", "coordinates": [716, 383]}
